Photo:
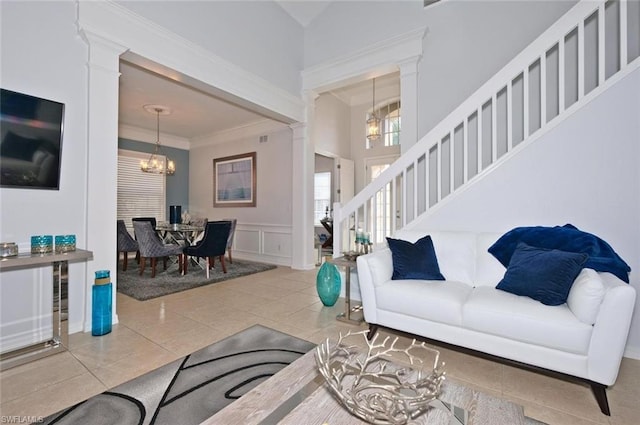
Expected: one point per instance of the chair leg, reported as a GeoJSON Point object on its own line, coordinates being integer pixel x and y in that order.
{"type": "Point", "coordinates": [164, 262]}
{"type": "Point", "coordinates": [154, 260]}
{"type": "Point", "coordinates": [208, 259]}
{"type": "Point", "coordinates": [124, 261]}
{"type": "Point", "coordinates": [230, 259]}
{"type": "Point", "coordinates": [224, 267]}
{"type": "Point", "coordinates": [143, 262]}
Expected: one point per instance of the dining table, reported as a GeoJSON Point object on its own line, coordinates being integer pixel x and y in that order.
{"type": "Point", "coordinates": [179, 233]}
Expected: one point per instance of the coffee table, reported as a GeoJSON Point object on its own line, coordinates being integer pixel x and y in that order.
{"type": "Point", "coordinates": [296, 395]}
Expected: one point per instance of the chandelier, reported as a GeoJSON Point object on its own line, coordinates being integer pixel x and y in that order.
{"type": "Point", "coordinates": [157, 164]}
{"type": "Point", "coordinates": [373, 123]}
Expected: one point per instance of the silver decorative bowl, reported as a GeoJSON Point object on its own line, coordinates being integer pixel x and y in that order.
{"type": "Point", "coordinates": [374, 388]}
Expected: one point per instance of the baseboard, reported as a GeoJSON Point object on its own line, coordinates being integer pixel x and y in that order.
{"type": "Point", "coordinates": [261, 258]}
{"type": "Point", "coordinates": [632, 352]}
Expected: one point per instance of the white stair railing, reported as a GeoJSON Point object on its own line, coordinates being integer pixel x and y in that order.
{"type": "Point", "coordinates": [589, 48]}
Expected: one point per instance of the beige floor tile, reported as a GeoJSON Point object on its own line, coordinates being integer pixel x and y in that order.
{"type": "Point", "coordinates": [54, 398]}
{"type": "Point", "coordinates": [185, 343]}
{"type": "Point", "coordinates": [133, 366]}
{"type": "Point", "coordinates": [555, 417]}
{"type": "Point", "coordinates": [566, 397]}
{"type": "Point", "coordinates": [25, 379]}
{"type": "Point", "coordinates": [107, 350]}
{"type": "Point", "coordinates": [155, 332]}
{"type": "Point", "coordinates": [165, 330]}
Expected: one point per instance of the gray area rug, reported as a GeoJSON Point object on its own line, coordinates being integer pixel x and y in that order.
{"type": "Point", "coordinates": [170, 281]}
{"type": "Point", "coordinates": [189, 390]}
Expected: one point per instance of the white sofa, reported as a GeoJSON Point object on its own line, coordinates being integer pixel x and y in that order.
{"type": "Point", "coordinates": [466, 310]}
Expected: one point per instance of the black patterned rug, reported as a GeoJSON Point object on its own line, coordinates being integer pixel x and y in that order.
{"type": "Point", "coordinates": [190, 390]}
{"type": "Point", "coordinates": [145, 287]}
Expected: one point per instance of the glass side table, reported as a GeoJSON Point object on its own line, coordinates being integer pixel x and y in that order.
{"type": "Point", "coordinates": [353, 314]}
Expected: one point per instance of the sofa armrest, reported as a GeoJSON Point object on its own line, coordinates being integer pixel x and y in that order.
{"type": "Point", "coordinates": [611, 329]}
{"type": "Point", "coordinates": [373, 270]}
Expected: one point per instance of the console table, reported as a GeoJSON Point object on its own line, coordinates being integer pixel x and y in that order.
{"type": "Point", "coordinates": [60, 307]}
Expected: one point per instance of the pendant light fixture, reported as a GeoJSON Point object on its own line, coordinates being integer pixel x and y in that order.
{"type": "Point", "coordinates": [157, 164]}
{"type": "Point", "coordinates": [373, 123]}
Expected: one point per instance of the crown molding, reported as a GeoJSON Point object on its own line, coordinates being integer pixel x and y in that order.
{"type": "Point", "coordinates": [377, 59]}
{"type": "Point", "coordinates": [144, 38]}
{"type": "Point", "coordinates": [139, 134]}
{"type": "Point", "coordinates": [256, 129]}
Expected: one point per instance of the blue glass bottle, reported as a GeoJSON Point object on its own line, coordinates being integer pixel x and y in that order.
{"type": "Point", "coordinates": [328, 283]}
{"type": "Point", "coordinates": [101, 309]}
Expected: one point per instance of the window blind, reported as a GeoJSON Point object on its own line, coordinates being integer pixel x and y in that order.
{"type": "Point", "coordinates": [139, 194]}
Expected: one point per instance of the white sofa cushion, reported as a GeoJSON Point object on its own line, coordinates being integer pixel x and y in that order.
{"type": "Point", "coordinates": [500, 313]}
{"type": "Point", "coordinates": [586, 295]}
{"type": "Point", "coordinates": [436, 300]}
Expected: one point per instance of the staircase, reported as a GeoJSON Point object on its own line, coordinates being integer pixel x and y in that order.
{"type": "Point", "coordinates": [589, 49]}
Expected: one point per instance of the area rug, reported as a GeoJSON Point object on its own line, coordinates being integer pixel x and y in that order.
{"type": "Point", "coordinates": [170, 281]}
{"type": "Point", "coordinates": [189, 390]}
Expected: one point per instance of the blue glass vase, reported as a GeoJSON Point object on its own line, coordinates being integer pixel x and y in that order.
{"type": "Point", "coordinates": [328, 284]}
{"type": "Point", "coordinates": [102, 298]}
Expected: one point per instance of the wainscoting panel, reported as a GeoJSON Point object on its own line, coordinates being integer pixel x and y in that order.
{"type": "Point", "coordinates": [266, 243]}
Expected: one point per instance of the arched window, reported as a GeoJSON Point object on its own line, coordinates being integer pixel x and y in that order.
{"type": "Point", "coordinates": [390, 124]}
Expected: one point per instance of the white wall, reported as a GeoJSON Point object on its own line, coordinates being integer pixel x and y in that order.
{"type": "Point", "coordinates": [332, 127]}
{"type": "Point", "coordinates": [263, 232]}
{"type": "Point", "coordinates": [258, 36]}
{"type": "Point", "coordinates": [466, 41]}
{"type": "Point", "coordinates": [42, 55]}
{"type": "Point", "coordinates": [584, 172]}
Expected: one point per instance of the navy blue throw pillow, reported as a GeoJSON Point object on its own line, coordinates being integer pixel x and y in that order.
{"type": "Point", "coordinates": [414, 260]}
{"type": "Point", "coordinates": [543, 274]}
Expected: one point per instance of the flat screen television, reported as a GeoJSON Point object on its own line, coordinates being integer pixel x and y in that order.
{"type": "Point", "coordinates": [30, 141]}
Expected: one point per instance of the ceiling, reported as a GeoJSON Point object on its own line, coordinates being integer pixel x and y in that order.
{"type": "Point", "coordinates": [195, 114]}
{"type": "Point", "coordinates": [303, 11]}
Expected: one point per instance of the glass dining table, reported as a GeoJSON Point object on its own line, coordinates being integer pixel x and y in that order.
{"type": "Point", "coordinates": [179, 234]}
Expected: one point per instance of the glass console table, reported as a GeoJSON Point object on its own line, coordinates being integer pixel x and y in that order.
{"type": "Point", "coordinates": [60, 306]}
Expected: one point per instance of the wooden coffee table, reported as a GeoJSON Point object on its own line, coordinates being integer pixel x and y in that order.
{"type": "Point", "coordinates": [296, 395]}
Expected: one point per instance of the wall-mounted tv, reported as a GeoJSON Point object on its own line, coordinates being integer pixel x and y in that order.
{"type": "Point", "coordinates": [30, 141]}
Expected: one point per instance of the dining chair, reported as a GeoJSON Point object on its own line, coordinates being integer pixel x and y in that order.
{"type": "Point", "coordinates": [126, 243]}
{"type": "Point", "coordinates": [154, 224]}
{"type": "Point", "coordinates": [231, 233]}
{"type": "Point", "coordinates": [213, 244]}
{"type": "Point", "coordinates": [152, 247]}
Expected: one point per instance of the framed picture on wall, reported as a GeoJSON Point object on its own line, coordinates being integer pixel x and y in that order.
{"type": "Point", "coordinates": [234, 181]}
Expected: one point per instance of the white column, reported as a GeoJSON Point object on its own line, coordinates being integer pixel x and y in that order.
{"type": "Point", "coordinates": [102, 162]}
{"type": "Point", "coordinates": [409, 102]}
{"type": "Point", "coordinates": [303, 167]}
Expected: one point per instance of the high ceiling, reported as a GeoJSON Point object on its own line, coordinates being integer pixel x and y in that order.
{"type": "Point", "coordinates": [195, 113]}
{"type": "Point", "coordinates": [303, 11]}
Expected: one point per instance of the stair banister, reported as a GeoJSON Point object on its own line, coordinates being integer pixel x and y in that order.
{"type": "Point", "coordinates": [487, 94]}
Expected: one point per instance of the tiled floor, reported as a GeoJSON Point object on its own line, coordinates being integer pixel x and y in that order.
{"type": "Point", "coordinates": [155, 332]}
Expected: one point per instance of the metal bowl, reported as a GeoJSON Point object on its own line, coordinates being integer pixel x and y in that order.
{"type": "Point", "coordinates": [372, 387]}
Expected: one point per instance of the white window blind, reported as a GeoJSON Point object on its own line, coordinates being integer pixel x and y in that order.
{"type": "Point", "coordinates": [139, 194]}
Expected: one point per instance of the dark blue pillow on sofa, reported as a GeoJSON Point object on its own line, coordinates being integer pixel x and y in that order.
{"type": "Point", "coordinates": [543, 274]}
{"type": "Point", "coordinates": [414, 260]}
